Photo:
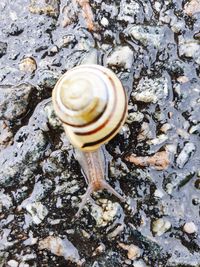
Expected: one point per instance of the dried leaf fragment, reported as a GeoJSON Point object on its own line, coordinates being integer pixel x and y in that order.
{"type": "Point", "coordinates": [159, 161]}
{"type": "Point", "coordinates": [87, 13]}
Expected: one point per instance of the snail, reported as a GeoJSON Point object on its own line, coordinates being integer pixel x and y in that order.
{"type": "Point", "coordinates": [92, 105]}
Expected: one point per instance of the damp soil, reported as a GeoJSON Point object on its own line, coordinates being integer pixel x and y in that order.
{"type": "Point", "coordinates": [154, 48]}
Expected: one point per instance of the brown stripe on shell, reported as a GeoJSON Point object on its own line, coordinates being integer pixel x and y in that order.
{"type": "Point", "coordinates": [85, 124]}
{"type": "Point", "coordinates": [108, 119]}
{"type": "Point", "coordinates": [111, 133]}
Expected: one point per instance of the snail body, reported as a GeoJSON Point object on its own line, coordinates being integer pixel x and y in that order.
{"type": "Point", "coordinates": [92, 104]}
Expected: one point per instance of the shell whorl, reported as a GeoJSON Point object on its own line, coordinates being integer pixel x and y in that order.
{"type": "Point", "coordinates": [91, 103]}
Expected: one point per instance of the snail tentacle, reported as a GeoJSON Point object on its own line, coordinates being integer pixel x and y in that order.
{"type": "Point", "coordinates": [108, 187]}
{"type": "Point", "coordinates": [89, 191]}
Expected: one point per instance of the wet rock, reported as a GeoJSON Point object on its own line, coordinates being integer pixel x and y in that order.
{"type": "Point", "coordinates": [5, 200]}
{"type": "Point", "coordinates": [150, 35]}
{"type": "Point", "coordinates": [189, 48]}
{"type": "Point", "coordinates": [14, 101]}
{"type": "Point", "coordinates": [50, 7]}
{"type": "Point", "coordinates": [31, 240]}
{"type": "Point", "coordinates": [39, 191]}
{"type": "Point", "coordinates": [121, 57]}
{"type": "Point", "coordinates": [176, 180]}
{"type": "Point", "coordinates": [133, 252]}
{"type": "Point", "coordinates": [28, 64]}
{"type": "Point", "coordinates": [4, 242]}
{"type": "Point", "coordinates": [53, 120]}
{"type": "Point", "coordinates": [160, 139]}
{"type": "Point", "coordinates": [183, 133]}
{"type": "Point", "coordinates": [37, 211]}
{"type": "Point", "coordinates": [14, 29]}
{"type": "Point", "coordinates": [29, 148]}
{"type": "Point", "coordinates": [180, 255]}
{"type": "Point", "coordinates": [190, 228]}
{"type": "Point", "coordinates": [130, 11]}
{"type": "Point", "coordinates": [3, 49]}
{"type": "Point", "coordinates": [160, 226]}
{"type": "Point", "coordinates": [135, 116]}
{"type": "Point", "coordinates": [47, 79]}
{"type": "Point", "coordinates": [7, 220]}
{"type": "Point", "coordinates": [185, 154]}
{"type": "Point", "coordinates": [151, 90]}
{"type": "Point", "coordinates": [107, 213]}
{"type": "Point", "coordinates": [145, 132]}
{"type": "Point", "coordinates": [60, 247]}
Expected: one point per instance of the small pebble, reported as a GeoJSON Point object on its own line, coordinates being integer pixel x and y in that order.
{"type": "Point", "coordinates": [99, 250]}
{"type": "Point", "coordinates": [190, 228]}
{"type": "Point", "coordinates": [182, 79]}
{"type": "Point", "coordinates": [104, 22]}
{"type": "Point", "coordinates": [165, 127]}
{"type": "Point", "coordinates": [139, 263]}
{"type": "Point", "coordinates": [13, 263]}
{"type": "Point", "coordinates": [28, 65]}
{"type": "Point", "coordinates": [161, 226]}
{"type": "Point", "coordinates": [133, 252]}
{"type": "Point", "coordinates": [122, 56]}
{"type": "Point", "coordinates": [185, 154]}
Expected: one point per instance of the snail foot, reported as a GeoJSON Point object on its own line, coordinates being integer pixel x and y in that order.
{"type": "Point", "coordinates": [90, 189]}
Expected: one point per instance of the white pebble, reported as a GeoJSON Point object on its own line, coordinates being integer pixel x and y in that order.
{"type": "Point", "coordinates": [157, 6]}
{"type": "Point", "coordinates": [185, 154]}
{"type": "Point", "coordinates": [133, 252]}
{"type": "Point", "coordinates": [161, 226]}
{"type": "Point", "coordinates": [13, 263]}
{"type": "Point", "coordinates": [190, 228]}
{"type": "Point", "coordinates": [104, 22]}
{"type": "Point", "coordinates": [122, 56]}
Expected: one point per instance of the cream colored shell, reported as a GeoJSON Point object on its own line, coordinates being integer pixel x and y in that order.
{"type": "Point", "coordinates": [91, 103]}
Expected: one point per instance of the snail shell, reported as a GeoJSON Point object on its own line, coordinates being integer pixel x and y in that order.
{"type": "Point", "coordinates": [92, 104]}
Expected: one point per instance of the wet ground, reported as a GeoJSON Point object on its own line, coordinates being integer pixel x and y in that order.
{"type": "Point", "coordinates": [154, 48]}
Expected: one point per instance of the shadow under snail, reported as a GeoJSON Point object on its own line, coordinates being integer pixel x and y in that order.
{"type": "Point", "coordinates": [92, 105]}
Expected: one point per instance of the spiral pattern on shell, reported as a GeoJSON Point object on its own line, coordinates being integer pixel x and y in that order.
{"type": "Point", "coordinates": [92, 104]}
